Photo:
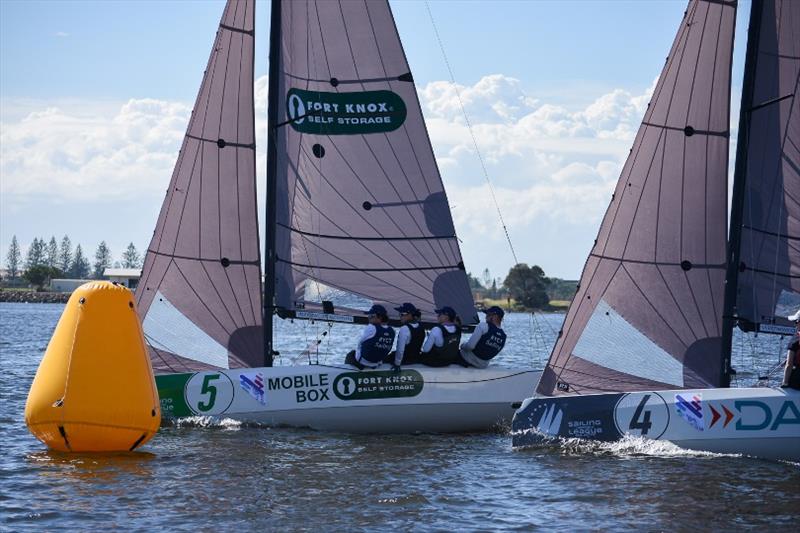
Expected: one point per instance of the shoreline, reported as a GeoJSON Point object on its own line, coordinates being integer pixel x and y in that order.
{"type": "Point", "coordinates": [23, 296]}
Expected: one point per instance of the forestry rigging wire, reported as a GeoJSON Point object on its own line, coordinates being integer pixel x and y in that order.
{"type": "Point", "coordinates": [472, 134]}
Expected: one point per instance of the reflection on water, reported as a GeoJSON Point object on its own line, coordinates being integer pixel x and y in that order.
{"type": "Point", "coordinates": [202, 473]}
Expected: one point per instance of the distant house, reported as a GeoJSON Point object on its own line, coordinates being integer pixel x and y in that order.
{"type": "Point", "coordinates": [124, 276]}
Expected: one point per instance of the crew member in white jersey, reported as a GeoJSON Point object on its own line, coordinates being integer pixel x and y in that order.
{"type": "Point", "coordinates": [486, 341]}
{"type": "Point", "coordinates": [410, 337]}
{"type": "Point", "coordinates": [375, 342]}
{"type": "Point", "coordinates": [441, 346]}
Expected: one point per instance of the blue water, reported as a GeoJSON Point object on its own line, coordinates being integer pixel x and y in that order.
{"type": "Point", "coordinates": [222, 475]}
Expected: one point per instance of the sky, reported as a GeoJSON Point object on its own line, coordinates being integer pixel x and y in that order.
{"type": "Point", "coordinates": [95, 97]}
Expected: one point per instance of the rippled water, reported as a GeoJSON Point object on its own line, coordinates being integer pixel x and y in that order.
{"type": "Point", "coordinates": [203, 474]}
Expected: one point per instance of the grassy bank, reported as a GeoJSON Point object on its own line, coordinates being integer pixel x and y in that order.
{"type": "Point", "coordinates": [512, 305]}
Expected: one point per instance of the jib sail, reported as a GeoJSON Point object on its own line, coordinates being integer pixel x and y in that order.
{"type": "Point", "coordinates": [200, 293]}
{"type": "Point", "coordinates": [648, 310]}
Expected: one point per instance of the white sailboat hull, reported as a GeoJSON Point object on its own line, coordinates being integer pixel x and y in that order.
{"type": "Point", "coordinates": [340, 398]}
{"type": "Point", "coordinates": [759, 422]}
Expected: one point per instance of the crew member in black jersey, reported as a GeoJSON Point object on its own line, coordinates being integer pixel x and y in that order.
{"type": "Point", "coordinates": [441, 346]}
{"type": "Point", "coordinates": [410, 337]}
{"type": "Point", "coordinates": [791, 375]}
{"type": "Point", "coordinates": [486, 341]}
{"type": "Point", "coordinates": [375, 342]}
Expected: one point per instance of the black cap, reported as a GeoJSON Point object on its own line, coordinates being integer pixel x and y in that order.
{"type": "Point", "coordinates": [446, 310]}
{"type": "Point", "coordinates": [406, 308]}
{"type": "Point", "coordinates": [495, 310]}
{"type": "Point", "coordinates": [376, 309]}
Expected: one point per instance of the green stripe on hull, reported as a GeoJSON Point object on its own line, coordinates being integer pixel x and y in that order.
{"type": "Point", "coordinates": [171, 389]}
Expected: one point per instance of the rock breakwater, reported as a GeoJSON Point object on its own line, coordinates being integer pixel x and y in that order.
{"type": "Point", "coordinates": [34, 297]}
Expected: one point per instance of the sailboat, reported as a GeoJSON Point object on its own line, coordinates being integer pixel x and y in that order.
{"type": "Point", "coordinates": [645, 348]}
{"type": "Point", "coordinates": [356, 214]}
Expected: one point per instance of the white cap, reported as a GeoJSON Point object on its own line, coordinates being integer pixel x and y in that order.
{"type": "Point", "coordinates": [795, 317]}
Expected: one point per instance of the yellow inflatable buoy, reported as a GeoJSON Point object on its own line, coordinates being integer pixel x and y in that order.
{"type": "Point", "coordinates": [94, 390]}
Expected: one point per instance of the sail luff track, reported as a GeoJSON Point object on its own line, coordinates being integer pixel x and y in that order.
{"type": "Point", "coordinates": [200, 292]}
{"type": "Point", "coordinates": [646, 311]}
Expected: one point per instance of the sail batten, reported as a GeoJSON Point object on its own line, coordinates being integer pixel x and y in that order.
{"type": "Point", "coordinates": [361, 207]}
{"type": "Point", "coordinates": [202, 267]}
{"type": "Point", "coordinates": [646, 311]}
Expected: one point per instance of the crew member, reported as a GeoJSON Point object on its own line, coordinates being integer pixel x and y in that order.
{"type": "Point", "coordinates": [375, 342]}
{"type": "Point", "coordinates": [410, 337]}
{"type": "Point", "coordinates": [486, 341]}
{"type": "Point", "coordinates": [791, 375]}
{"type": "Point", "coordinates": [441, 346]}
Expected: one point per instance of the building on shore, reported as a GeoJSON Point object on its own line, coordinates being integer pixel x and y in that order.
{"type": "Point", "coordinates": [128, 277]}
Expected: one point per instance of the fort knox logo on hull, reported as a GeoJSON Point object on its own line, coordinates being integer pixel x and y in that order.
{"type": "Point", "coordinates": [380, 384]}
{"type": "Point", "coordinates": [354, 113]}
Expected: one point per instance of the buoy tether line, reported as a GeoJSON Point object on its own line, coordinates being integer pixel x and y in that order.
{"type": "Point", "coordinates": [469, 127]}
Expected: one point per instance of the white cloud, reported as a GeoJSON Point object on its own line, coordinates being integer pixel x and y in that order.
{"type": "Point", "coordinates": [61, 34]}
{"type": "Point", "coordinates": [493, 97]}
{"type": "Point", "coordinates": [68, 155]}
{"type": "Point", "coordinates": [96, 154]}
{"type": "Point", "coordinates": [549, 164]}
{"type": "Point", "coordinates": [553, 168]}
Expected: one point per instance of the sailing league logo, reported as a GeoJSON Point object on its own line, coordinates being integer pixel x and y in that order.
{"type": "Point", "coordinates": [253, 384]}
{"type": "Point", "coordinates": [691, 410]}
{"type": "Point", "coordinates": [354, 113]}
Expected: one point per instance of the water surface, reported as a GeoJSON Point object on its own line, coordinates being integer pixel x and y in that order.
{"type": "Point", "coordinates": [202, 474]}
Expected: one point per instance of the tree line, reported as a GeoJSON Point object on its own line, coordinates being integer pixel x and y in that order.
{"type": "Point", "coordinates": [527, 285]}
{"type": "Point", "coordinates": [46, 260]}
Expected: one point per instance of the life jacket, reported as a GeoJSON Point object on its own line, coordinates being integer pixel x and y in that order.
{"type": "Point", "coordinates": [449, 349]}
{"type": "Point", "coordinates": [794, 346]}
{"type": "Point", "coordinates": [490, 343]}
{"type": "Point", "coordinates": [376, 348]}
{"type": "Point", "coordinates": [414, 346]}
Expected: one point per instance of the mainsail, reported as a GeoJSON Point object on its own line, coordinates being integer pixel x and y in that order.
{"type": "Point", "coordinates": [361, 214]}
{"type": "Point", "coordinates": [200, 293]}
{"type": "Point", "coordinates": [647, 313]}
{"type": "Point", "coordinates": [768, 167]}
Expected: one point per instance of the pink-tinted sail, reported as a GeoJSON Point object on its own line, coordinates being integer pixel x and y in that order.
{"type": "Point", "coordinates": [769, 259]}
{"type": "Point", "coordinates": [362, 215]}
{"type": "Point", "coordinates": [647, 313]}
{"type": "Point", "coordinates": [200, 292]}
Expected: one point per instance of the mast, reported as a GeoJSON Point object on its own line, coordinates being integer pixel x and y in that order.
{"type": "Point", "coordinates": [737, 200]}
{"type": "Point", "coordinates": [272, 177]}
